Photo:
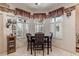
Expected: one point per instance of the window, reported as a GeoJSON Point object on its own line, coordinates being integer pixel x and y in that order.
{"type": "Point", "coordinates": [59, 27]}
{"type": "Point", "coordinates": [52, 26]}
{"type": "Point", "coordinates": [59, 19]}
{"type": "Point", "coordinates": [53, 20]}
{"type": "Point", "coordinates": [27, 27]}
{"type": "Point", "coordinates": [39, 27]}
{"type": "Point", "coordinates": [21, 28]}
{"type": "Point", "coordinates": [59, 30]}
{"type": "Point", "coordinates": [56, 27]}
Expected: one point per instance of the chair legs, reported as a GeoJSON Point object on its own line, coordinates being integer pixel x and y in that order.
{"type": "Point", "coordinates": [51, 47]}
{"type": "Point", "coordinates": [27, 46]}
{"type": "Point", "coordinates": [42, 49]}
{"type": "Point", "coordinates": [35, 52]}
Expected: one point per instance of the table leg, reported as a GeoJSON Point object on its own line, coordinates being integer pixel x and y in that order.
{"type": "Point", "coordinates": [48, 46]}
{"type": "Point", "coordinates": [31, 46]}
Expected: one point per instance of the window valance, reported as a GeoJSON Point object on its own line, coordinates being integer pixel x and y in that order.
{"type": "Point", "coordinates": [22, 12]}
{"type": "Point", "coordinates": [57, 12]}
{"type": "Point", "coordinates": [39, 15]}
{"type": "Point", "coordinates": [4, 9]}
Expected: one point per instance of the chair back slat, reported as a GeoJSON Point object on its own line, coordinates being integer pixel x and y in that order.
{"type": "Point", "coordinates": [39, 38]}
{"type": "Point", "coordinates": [28, 35]}
{"type": "Point", "coordinates": [50, 37]}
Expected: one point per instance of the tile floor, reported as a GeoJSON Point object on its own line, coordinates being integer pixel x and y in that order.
{"type": "Point", "coordinates": [55, 52]}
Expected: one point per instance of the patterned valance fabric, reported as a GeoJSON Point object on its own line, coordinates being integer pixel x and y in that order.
{"type": "Point", "coordinates": [57, 12]}
{"type": "Point", "coordinates": [3, 9]}
{"type": "Point", "coordinates": [39, 15]}
{"type": "Point", "coordinates": [69, 9]}
{"type": "Point", "coordinates": [22, 12]}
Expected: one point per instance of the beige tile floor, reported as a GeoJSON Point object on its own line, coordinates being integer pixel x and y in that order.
{"type": "Point", "coordinates": [55, 52]}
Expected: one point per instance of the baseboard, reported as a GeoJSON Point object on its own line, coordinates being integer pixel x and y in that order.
{"type": "Point", "coordinates": [75, 53]}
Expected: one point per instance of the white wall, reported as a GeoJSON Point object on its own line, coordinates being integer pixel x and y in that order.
{"type": "Point", "coordinates": [69, 40]}
{"type": "Point", "coordinates": [77, 19]}
{"type": "Point", "coordinates": [1, 33]}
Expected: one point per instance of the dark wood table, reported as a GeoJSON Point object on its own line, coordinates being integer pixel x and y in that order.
{"type": "Point", "coordinates": [46, 37]}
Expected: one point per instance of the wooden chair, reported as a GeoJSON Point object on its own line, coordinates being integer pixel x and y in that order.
{"type": "Point", "coordinates": [50, 42]}
{"type": "Point", "coordinates": [39, 42]}
{"type": "Point", "coordinates": [28, 35]}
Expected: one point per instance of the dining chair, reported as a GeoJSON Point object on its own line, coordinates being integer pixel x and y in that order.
{"type": "Point", "coordinates": [50, 41]}
{"type": "Point", "coordinates": [39, 42]}
{"type": "Point", "coordinates": [28, 35]}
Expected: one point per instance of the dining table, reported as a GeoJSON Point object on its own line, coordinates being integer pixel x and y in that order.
{"type": "Point", "coordinates": [45, 38]}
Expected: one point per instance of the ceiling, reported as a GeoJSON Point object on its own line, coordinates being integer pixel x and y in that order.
{"type": "Point", "coordinates": [42, 7]}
